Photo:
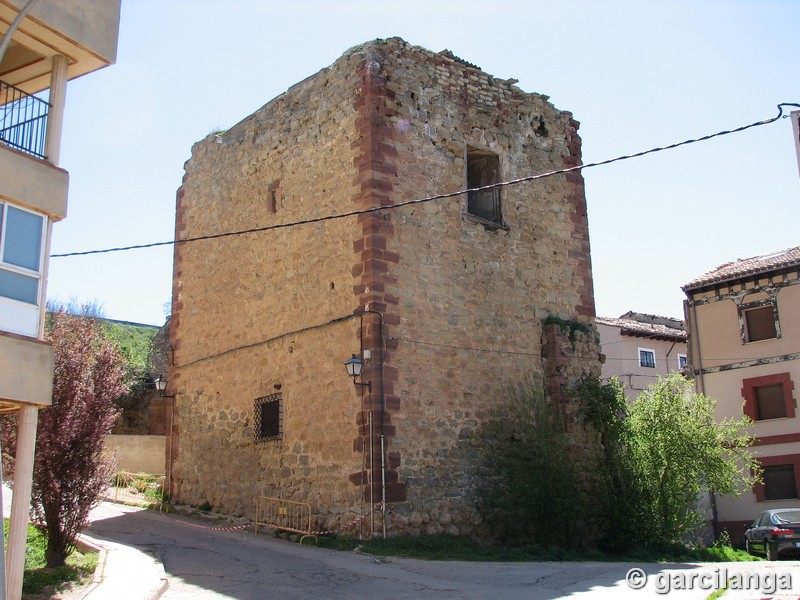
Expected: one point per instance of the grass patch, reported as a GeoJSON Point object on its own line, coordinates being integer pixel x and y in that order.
{"type": "Point", "coordinates": [444, 547]}
{"type": "Point", "coordinates": [717, 594]}
{"type": "Point", "coordinates": [79, 568]}
{"type": "Point", "coordinates": [37, 577]}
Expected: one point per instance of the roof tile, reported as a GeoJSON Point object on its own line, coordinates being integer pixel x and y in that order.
{"type": "Point", "coordinates": [746, 267]}
{"type": "Point", "coordinates": [641, 325]}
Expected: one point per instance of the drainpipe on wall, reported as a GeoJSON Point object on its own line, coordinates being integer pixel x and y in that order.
{"type": "Point", "coordinates": [383, 413]}
{"type": "Point", "coordinates": [666, 358]}
{"type": "Point", "coordinates": [371, 480]}
{"type": "Point", "coordinates": [383, 439]}
{"type": "Point", "coordinates": [170, 491]}
{"type": "Point", "coordinates": [381, 423]}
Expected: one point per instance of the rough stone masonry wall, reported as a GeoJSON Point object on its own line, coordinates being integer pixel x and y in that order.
{"type": "Point", "coordinates": [249, 311]}
{"type": "Point", "coordinates": [464, 301]}
{"type": "Point", "coordinates": [570, 355]}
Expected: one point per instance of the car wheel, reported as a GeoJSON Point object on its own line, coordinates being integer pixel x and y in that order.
{"type": "Point", "coordinates": [770, 551]}
{"type": "Point", "coordinates": [747, 546]}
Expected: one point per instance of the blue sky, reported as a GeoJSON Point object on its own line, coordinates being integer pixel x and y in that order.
{"type": "Point", "coordinates": [636, 74]}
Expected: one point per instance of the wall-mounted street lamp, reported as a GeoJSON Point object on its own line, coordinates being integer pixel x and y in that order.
{"type": "Point", "coordinates": [161, 385]}
{"type": "Point", "coordinates": [353, 366]}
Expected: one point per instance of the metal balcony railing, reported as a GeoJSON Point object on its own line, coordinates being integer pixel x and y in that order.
{"type": "Point", "coordinates": [23, 120]}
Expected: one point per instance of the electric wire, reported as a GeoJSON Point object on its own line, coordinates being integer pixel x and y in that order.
{"type": "Point", "coordinates": [518, 352]}
{"type": "Point", "coordinates": [348, 317]}
{"type": "Point", "coordinates": [387, 207]}
{"type": "Point", "coordinates": [268, 340]}
{"type": "Point", "coordinates": [468, 348]}
{"type": "Point", "coordinates": [399, 205]}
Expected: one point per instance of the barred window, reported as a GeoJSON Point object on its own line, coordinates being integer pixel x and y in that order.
{"type": "Point", "coordinates": [268, 424]}
{"type": "Point", "coordinates": [779, 482]}
{"type": "Point", "coordinates": [483, 169]}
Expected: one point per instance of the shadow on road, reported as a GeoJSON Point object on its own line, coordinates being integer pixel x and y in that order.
{"type": "Point", "coordinates": [201, 562]}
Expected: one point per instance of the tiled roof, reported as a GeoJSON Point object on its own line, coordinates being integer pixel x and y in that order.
{"type": "Point", "coordinates": [745, 267]}
{"type": "Point", "coordinates": [652, 326]}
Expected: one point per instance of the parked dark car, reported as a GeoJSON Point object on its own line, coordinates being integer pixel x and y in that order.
{"type": "Point", "coordinates": [775, 533]}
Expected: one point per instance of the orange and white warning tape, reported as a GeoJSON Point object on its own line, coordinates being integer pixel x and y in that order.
{"type": "Point", "coordinates": [195, 525]}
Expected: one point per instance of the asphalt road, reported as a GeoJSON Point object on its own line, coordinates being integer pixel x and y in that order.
{"type": "Point", "coordinates": [209, 564]}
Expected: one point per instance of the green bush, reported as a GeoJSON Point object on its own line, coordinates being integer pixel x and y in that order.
{"type": "Point", "coordinates": [529, 474]}
{"type": "Point", "coordinates": [659, 454]}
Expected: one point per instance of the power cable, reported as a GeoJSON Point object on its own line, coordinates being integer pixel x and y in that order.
{"type": "Point", "coordinates": [514, 352]}
{"type": "Point", "coordinates": [266, 341]}
{"type": "Point", "coordinates": [436, 197]}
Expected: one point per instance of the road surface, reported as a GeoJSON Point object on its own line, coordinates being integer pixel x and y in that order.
{"type": "Point", "coordinates": [203, 563]}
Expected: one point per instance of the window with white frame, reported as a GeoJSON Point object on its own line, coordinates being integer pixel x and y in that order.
{"type": "Point", "coordinates": [21, 266]}
{"type": "Point", "coordinates": [682, 361]}
{"type": "Point", "coordinates": [647, 358]}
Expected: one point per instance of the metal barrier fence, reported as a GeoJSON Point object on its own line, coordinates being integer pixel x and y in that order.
{"type": "Point", "coordinates": [23, 120]}
{"type": "Point", "coordinates": [285, 515]}
{"type": "Point", "coordinates": [140, 489]}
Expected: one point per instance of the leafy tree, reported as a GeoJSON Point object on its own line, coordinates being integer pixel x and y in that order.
{"type": "Point", "coordinates": [661, 453]}
{"type": "Point", "coordinates": [616, 502]}
{"type": "Point", "coordinates": [73, 306]}
{"type": "Point", "coordinates": [678, 451]}
{"type": "Point", "coordinates": [135, 344]}
{"type": "Point", "coordinates": [69, 469]}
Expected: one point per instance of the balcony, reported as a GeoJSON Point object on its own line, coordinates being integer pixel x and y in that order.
{"type": "Point", "coordinates": [27, 176]}
{"type": "Point", "coordinates": [23, 121]}
{"type": "Point", "coordinates": [26, 371]}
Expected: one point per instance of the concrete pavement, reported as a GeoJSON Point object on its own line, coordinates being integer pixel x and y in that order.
{"type": "Point", "coordinates": [124, 572]}
{"type": "Point", "coordinates": [202, 562]}
{"type": "Point", "coordinates": [147, 555]}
